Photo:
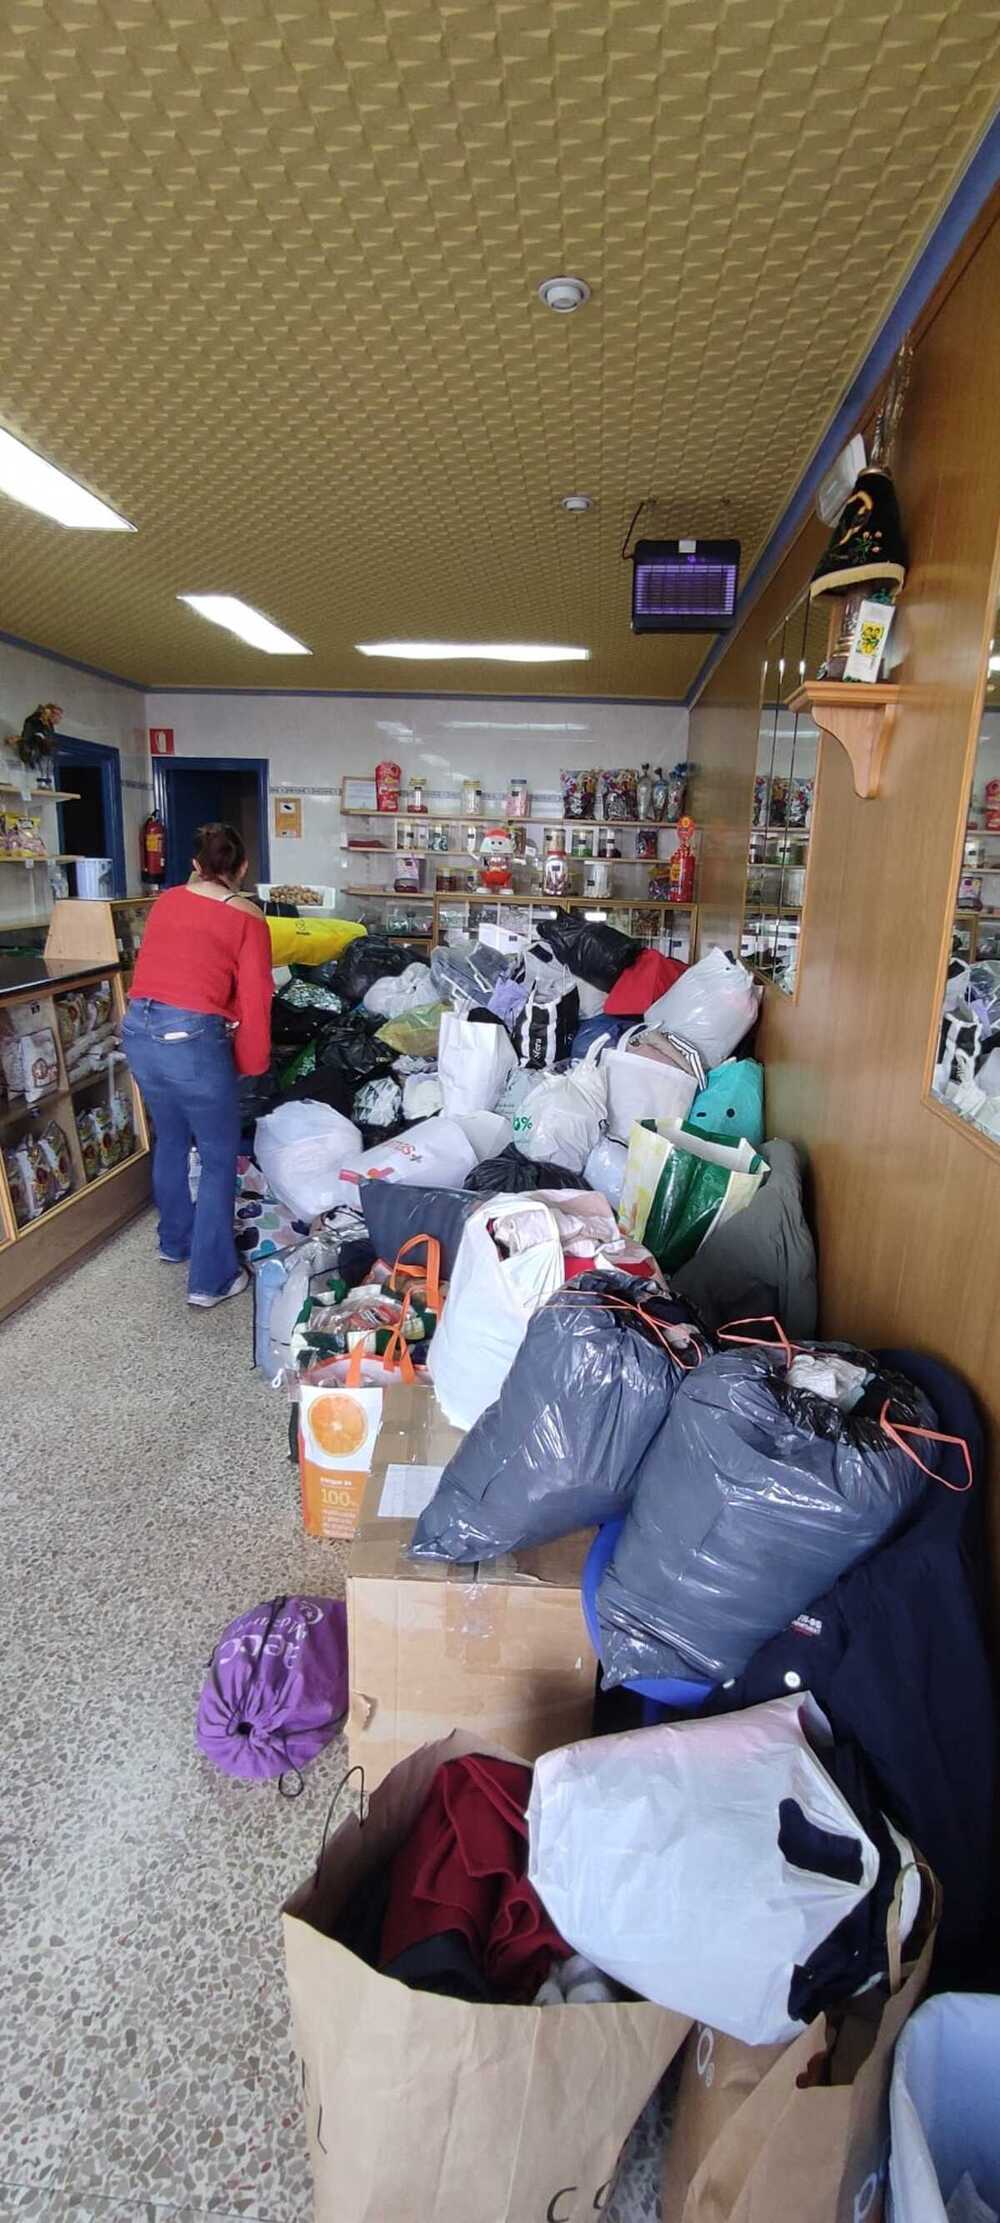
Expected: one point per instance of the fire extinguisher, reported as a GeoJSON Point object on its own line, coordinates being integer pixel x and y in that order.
{"type": "Point", "coordinates": [153, 848]}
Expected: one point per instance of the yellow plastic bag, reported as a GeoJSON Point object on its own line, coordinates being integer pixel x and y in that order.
{"type": "Point", "coordinates": [310, 941]}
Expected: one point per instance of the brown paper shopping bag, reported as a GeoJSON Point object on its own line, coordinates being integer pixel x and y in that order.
{"type": "Point", "coordinates": [421, 2108]}
{"type": "Point", "coordinates": [765, 2133]}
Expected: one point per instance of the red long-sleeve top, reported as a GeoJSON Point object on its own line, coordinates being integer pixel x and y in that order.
{"type": "Point", "coordinates": [204, 956]}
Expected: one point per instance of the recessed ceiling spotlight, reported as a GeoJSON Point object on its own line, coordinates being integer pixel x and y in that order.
{"type": "Point", "coordinates": [577, 503]}
{"type": "Point", "coordinates": [485, 652]}
{"type": "Point", "coordinates": [248, 625]}
{"type": "Point", "coordinates": [564, 294]}
{"type": "Point", "coordinates": [27, 478]}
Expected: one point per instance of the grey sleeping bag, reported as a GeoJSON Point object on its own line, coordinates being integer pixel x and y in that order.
{"type": "Point", "coordinates": [761, 1263]}
{"type": "Point", "coordinates": [559, 1450]}
{"type": "Point", "coordinates": [750, 1501]}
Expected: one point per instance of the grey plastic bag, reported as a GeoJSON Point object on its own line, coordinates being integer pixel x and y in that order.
{"type": "Point", "coordinates": [395, 1212]}
{"type": "Point", "coordinates": [761, 1262]}
{"type": "Point", "coordinates": [468, 971]}
{"type": "Point", "coordinates": [592, 1382]}
{"type": "Point", "coordinates": [751, 1500]}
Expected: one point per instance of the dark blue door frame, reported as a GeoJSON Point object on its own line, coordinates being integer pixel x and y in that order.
{"type": "Point", "coordinates": [68, 751]}
{"type": "Point", "coordinates": [164, 766]}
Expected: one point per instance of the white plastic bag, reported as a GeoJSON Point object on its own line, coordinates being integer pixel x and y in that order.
{"type": "Point", "coordinates": [435, 1155]}
{"type": "Point", "coordinates": [643, 1087]}
{"type": "Point", "coordinates": [300, 1149]}
{"type": "Point", "coordinates": [490, 1301]}
{"type": "Point", "coordinates": [421, 1096]}
{"type": "Point", "coordinates": [395, 993]}
{"type": "Point", "coordinates": [474, 1063]}
{"type": "Point", "coordinates": [943, 2110]}
{"type": "Point", "coordinates": [605, 1170]}
{"type": "Point", "coordinates": [489, 1132]}
{"type": "Point", "coordinates": [520, 1085]}
{"type": "Point", "coordinates": [559, 1120]}
{"type": "Point", "coordinates": [280, 1297]}
{"type": "Point", "coordinates": [711, 1006]}
{"type": "Point", "coordinates": [656, 1854]}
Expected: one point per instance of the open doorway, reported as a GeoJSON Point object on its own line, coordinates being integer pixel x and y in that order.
{"type": "Point", "coordinates": [92, 824]}
{"type": "Point", "coordinates": [194, 791]}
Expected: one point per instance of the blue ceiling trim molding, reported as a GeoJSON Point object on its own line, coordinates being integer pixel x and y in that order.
{"type": "Point", "coordinates": [72, 663]}
{"type": "Point", "coordinates": [970, 196]}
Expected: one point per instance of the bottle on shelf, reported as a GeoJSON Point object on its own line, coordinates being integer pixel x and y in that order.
{"type": "Point", "coordinates": [681, 866]}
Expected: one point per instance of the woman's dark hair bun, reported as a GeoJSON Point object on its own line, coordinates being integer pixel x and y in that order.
{"type": "Point", "coordinates": [220, 851]}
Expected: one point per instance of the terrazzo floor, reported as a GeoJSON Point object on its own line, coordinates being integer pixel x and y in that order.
{"type": "Point", "coordinates": [146, 2068]}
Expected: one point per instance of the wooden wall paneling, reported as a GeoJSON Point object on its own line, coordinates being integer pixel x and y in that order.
{"type": "Point", "coordinates": [907, 1204]}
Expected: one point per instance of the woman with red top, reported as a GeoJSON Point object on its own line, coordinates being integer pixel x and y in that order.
{"type": "Point", "coordinates": [199, 1015]}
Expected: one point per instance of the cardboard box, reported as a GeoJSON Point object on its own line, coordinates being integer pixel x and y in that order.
{"type": "Point", "coordinates": [496, 1648]}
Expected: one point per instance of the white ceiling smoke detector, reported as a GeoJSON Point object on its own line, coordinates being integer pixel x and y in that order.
{"type": "Point", "coordinates": [577, 503]}
{"type": "Point", "coordinates": [564, 294]}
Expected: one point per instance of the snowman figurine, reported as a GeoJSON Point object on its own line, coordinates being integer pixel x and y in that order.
{"type": "Point", "coordinates": [495, 852]}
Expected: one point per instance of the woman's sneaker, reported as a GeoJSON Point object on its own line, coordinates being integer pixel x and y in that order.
{"type": "Point", "coordinates": [235, 1289]}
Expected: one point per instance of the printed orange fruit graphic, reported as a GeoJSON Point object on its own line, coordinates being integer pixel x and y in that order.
{"type": "Point", "coordinates": [339, 1425]}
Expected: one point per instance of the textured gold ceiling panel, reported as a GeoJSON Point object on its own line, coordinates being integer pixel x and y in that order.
{"type": "Point", "coordinates": [267, 284]}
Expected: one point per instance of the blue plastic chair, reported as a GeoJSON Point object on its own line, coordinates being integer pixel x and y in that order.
{"type": "Point", "coordinates": [957, 1415]}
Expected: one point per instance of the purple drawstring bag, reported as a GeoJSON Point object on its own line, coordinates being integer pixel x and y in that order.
{"type": "Point", "coordinates": [276, 1689]}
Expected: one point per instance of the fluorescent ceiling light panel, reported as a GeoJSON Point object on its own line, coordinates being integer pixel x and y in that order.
{"type": "Point", "coordinates": [248, 625]}
{"type": "Point", "coordinates": [27, 478]}
{"type": "Point", "coordinates": [477, 652]}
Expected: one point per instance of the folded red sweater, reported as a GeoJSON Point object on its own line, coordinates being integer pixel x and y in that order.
{"type": "Point", "coordinates": [204, 956]}
{"type": "Point", "coordinates": [462, 1868]}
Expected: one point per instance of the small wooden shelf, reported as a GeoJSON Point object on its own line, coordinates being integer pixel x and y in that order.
{"type": "Point", "coordinates": [27, 856]}
{"type": "Point", "coordinates": [40, 794]}
{"type": "Point", "coordinates": [500, 818]}
{"type": "Point", "coordinates": [566, 902]}
{"type": "Point", "coordinates": [860, 717]}
{"type": "Point", "coordinates": [390, 895]}
{"type": "Point", "coordinates": [17, 1107]}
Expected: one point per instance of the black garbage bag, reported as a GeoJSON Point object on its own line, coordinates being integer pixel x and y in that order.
{"type": "Point", "coordinates": [368, 958]}
{"type": "Point", "coordinates": [590, 1387]}
{"type": "Point", "coordinates": [348, 1046]}
{"type": "Point", "coordinates": [751, 1500]}
{"type": "Point", "coordinates": [595, 952]}
{"type": "Point", "coordinates": [511, 1173]}
{"type": "Point", "coordinates": [260, 1092]}
{"type": "Point", "coordinates": [293, 1025]}
{"type": "Point", "coordinates": [324, 1085]}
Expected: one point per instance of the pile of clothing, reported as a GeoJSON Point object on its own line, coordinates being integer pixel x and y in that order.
{"type": "Point", "coordinates": [454, 1913]}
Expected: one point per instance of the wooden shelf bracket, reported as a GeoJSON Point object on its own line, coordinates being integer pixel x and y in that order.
{"type": "Point", "coordinates": [860, 717]}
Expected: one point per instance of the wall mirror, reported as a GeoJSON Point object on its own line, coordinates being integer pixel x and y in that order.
{"type": "Point", "coordinates": [784, 788]}
{"type": "Point", "coordinates": [966, 1072]}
